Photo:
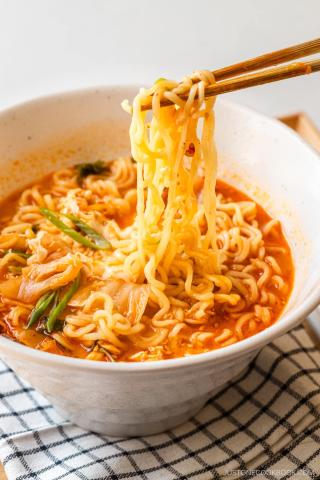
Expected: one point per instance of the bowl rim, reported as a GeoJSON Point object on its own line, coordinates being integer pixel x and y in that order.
{"type": "Point", "coordinates": [286, 321]}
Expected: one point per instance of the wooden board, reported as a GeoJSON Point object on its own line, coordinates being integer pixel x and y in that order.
{"type": "Point", "coordinates": [303, 125]}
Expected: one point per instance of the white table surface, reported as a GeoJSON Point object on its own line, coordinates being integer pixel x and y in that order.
{"type": "Point", "coordinates": [52, 45]}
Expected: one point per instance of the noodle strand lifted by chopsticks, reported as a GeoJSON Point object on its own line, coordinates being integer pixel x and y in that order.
{"type": "Point", "coordinates": [176, 226]}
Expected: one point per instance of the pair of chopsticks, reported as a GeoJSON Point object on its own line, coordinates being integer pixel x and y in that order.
{"type": "Point", "coordinates": [226, 83]}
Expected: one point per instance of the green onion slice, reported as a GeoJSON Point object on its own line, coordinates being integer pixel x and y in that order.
{"type": "Point", "coordinates": [41, 306]}
{"type": "Point", "coordinates": [97, 242]}
{"type": "Point", "coordinates": [17, 252]}
{"type": "Point", "coordinates": [60, 306]}
{"type": "Point", "coordinates": [95, 168]}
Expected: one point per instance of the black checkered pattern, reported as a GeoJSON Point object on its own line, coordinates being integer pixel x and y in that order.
{"type": "Point", "coordinates": [264, 425]}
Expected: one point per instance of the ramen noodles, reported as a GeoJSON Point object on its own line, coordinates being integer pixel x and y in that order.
{"type": "Point", "coordinates": [143, 258]}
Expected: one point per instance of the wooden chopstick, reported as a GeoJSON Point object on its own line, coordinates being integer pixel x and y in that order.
{"type": "Point", "coordinates": [265, 76]}
{"type": "Point", "coordinates": [269, 59]}
{"type": "Point", "coordinates": [259, 78]}
{"type": "Point", "coordinates": [252, 80]}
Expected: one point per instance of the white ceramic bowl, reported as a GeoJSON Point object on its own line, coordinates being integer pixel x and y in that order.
{"type": "Point", "coordinates": [257, 154]}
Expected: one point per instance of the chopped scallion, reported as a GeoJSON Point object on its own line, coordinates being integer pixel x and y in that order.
{"type": "Point", "coordinates": [98, 243]}
{"type": "Point", "coordinates": [98, 239]}
{"type": "Point", "coordinates": [41, 306]}
{"type": "Point", "coordinates": [60, 306]}
{"type": "Point", "coordinates": [18, 252]}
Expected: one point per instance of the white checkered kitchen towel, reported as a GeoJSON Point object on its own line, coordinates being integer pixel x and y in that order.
{"type": "Point", "coordinates": [266, 425]}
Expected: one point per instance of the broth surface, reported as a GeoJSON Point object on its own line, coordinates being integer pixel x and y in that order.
{"type": "Point", "coordinates": [107, 202]}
